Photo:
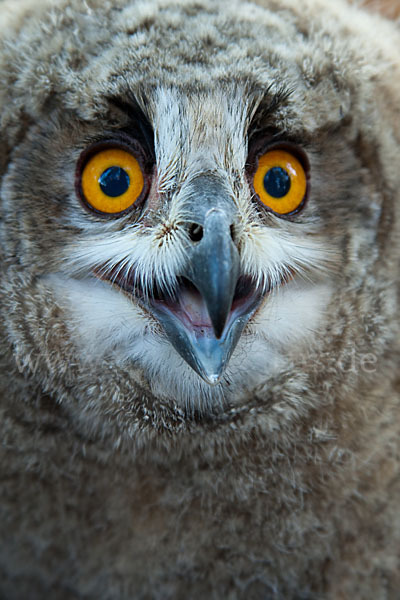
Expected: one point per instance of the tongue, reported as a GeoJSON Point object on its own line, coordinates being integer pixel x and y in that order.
{"type": "Point", "coordinates": [194, 307]}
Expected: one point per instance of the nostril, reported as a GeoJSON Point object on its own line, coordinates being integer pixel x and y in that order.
{"type": "Point", "coordinates": [232, 228]}
{"type": "Point", "coordinates": [195, 232]}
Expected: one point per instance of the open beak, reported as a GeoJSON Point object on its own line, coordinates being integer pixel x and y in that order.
{"type": "Point", "coordinates": [213, 301]}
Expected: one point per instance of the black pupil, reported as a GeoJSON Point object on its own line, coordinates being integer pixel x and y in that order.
{"type": "Point", "coordinates": [114, 181]}
{"type": "Point", "coordinates": [277, 182]}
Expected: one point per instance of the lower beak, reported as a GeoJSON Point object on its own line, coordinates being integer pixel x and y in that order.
{"type": "Point", "coordinates": [199, 346]}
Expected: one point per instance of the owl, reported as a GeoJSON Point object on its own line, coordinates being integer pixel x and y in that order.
{"type": "Point", "coordinates": [200, 244]}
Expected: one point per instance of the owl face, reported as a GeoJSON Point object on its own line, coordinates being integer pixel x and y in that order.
{"type": "Point", "coordinates": [186, 203]}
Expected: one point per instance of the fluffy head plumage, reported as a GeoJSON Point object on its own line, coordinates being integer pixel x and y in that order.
{"type": "Point", "coordinates": [311, 385]}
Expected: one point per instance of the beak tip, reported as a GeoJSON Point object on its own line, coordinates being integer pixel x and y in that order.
{"type": "Point", "coordinates": [212, 379]}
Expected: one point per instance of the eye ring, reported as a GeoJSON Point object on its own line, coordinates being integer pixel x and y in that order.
{"type": "Point", "coordinates": [280, 179]}
{"type": "Point", "coordinates": [101, 171]}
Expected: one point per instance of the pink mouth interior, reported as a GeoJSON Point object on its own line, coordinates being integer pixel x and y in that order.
{"type": "Point", "coordinates": [190, 308]}
{"type": "Point", "coordinates": [193, 307]}
{"type": "Point", "coordinates": [187, 304]}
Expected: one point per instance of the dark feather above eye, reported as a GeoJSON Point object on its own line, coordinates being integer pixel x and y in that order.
{"type": "Point", "coordinates": [139, 123]}
{"type": "Point", "coordinates": [262, 119]}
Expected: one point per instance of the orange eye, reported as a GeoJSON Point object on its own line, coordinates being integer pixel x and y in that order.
{"type": "Point", "coordinates": [280, 181]}
{"type": "Point", "coordinates": [112, 181]}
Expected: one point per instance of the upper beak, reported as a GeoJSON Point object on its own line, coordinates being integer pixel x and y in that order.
{"type": "Point", "coordinates": [213, 270]}
{"type": "Point", "coordinates": [213, 267]}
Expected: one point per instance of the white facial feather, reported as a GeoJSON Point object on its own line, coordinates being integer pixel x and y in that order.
{"type": "Point", "coordinates": [194, 137]}
{"type": "Point", "coordinates": [137, 251]}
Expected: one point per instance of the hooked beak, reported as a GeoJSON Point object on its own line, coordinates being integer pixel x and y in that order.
{"type": "Point", "coordinates": [213, 302]}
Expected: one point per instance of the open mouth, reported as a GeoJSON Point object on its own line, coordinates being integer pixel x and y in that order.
{"type": "Point", "coordinates": [188, 325]}
{"type": "Point", "coordinates": [185, 319]}
{"type": "Point", "coordinates": [189, 306]}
